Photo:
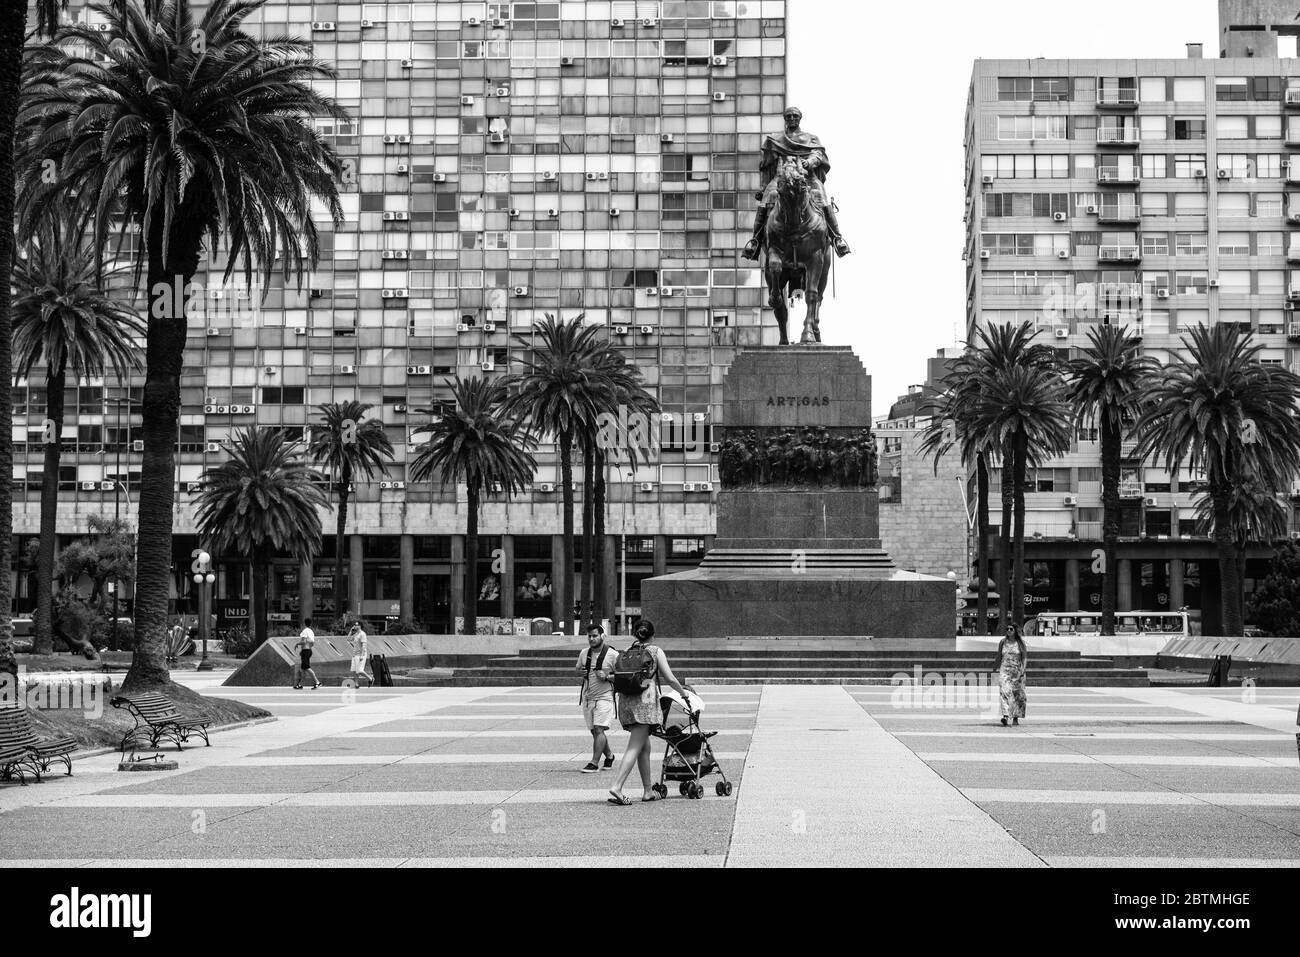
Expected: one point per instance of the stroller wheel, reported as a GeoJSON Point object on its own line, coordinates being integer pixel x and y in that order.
{"type": "Point", "coordinates": [697, 791]}
{"type": "Point", "coordinates": [723, 788]}
{"type": "Point", "coordinates": [683, 788]}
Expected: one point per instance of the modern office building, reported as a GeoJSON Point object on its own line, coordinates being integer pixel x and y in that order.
{"type": "Point", "coordinates": [1157, 193]}
{"type": "Point", "coordinates": [503, 161]}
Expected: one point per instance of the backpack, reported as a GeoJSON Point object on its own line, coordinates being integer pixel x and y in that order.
{"type": "Point", "coordinates": [634, 669]}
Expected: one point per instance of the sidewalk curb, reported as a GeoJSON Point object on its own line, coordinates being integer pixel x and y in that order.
{"type": "Point", "coordinates": [96, 752]}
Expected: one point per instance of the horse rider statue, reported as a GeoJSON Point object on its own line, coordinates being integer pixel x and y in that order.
{"type": "Point", "coordinates": [792, 142]}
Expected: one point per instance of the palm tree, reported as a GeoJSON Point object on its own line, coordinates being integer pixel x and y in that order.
{"type": "Point", "coordinates": [1107, 385]}
{"type": "Point", "coordinates": [560, 393]}
{"type": "Point", "coordinates": [476, 442]}
{"type": "Point", "coordinates": [64, 319]}
{"type": "Point", "coordinates": [1023, 409]}
{"type": "Point", "coordinates": [194, 131]}
{"type": "Point", "coordinates": [1217, 409]}
{"type": "Point", "coordinates": [347, 445]}
{"type": "Point", "coordinates": [259, 502]}
{"type": "Point", "coordinates": [1256, 513]}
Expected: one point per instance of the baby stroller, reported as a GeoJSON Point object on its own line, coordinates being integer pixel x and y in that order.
{"type": "Point", "coordinates": [688, 756]}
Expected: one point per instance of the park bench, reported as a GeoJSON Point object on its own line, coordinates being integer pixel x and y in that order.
{"type": "Point", "coordinates": [17, 730]}
{"type": "Point", "coordinates": [14, 760]}
{"type": "Point", "coordinates": [156, 718]}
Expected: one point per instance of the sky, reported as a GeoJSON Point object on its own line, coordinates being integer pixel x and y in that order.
{"type": "Point", "coordinates": [884, 85]}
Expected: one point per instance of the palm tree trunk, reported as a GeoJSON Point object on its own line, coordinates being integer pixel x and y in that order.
{"type": "Point", "coordinates": [1004, 546]}
{"type": "Point", "coordinates": [164, 357]}
{"type": "Point", "coordinates": [1111, 441]}
{"type": "Point", "coordinates": [1018, 562]}
{"type": "Point", "coordinates": [982, 543]}
{"type": "Point", "coordinates": [43, 637]}
{"type": "Point", "coordinates": [588, 517]}
{"type": "Point", "coordinates": [13, 29]}
{"type": "Point", "coordinates": [340, 544]}
{"type": "Point", "coordinates": [261, 576]}
{"type": "Point", "coordinates": [1229, 578]}
{"type": "Point", "coordinates": [1241, 580]}
{"type": "Point", "coordinates": [471, 560]}
{"type": "Point", "coordinates": [598, 552]}
{"type": "Point", "coordinates": [566, 546]}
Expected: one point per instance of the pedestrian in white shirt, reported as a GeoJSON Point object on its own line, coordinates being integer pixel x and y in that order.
{"type": "Point", "coordinates": [357, 637]}
{"type": "Point", "coordinates": [306, 641]}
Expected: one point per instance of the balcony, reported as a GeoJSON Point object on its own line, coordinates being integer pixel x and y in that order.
{"type": "Point", "coordinates": [1119, 292]}
{"type": "Point", "coordinates": [1117, 99]}
{"type": "Point", "coordinates": [1119, 213]}
{"type": "Point", "coordinates": [1293, 173]}
{"type": "Point", "coordinates": [1293, 252]}
{"type": "Point", "coordinates": [1127, 253]}
{"type": "Point", "coordinates": [1293, 331]}
{"type": "Point", "coordinates": [1114, 175]}
{"type": "Point", "coordinates": [1292, 99]}
{"type": "Point", "coordinates": [1127, 136]}
{"type": "Point", "coordinates": [1130, 490]}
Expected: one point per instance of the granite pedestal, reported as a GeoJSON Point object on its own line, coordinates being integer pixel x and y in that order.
{"type": "Point", "coordinates": [791, 558]}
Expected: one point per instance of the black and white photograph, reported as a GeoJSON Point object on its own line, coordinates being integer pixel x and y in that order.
{"type": "Point", "coordinates": [664, 442]}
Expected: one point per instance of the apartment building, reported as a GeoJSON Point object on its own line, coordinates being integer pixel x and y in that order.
{"type": "Point", "coordinates": [503, 161]}
{"type": "Point", "coordinates": [1160, 194]}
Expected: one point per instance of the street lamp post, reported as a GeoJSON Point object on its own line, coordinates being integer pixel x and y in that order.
{"type": "Point", "coordinates": [117, 402]}
{"type": "Point", "coordinates": [204, 579]}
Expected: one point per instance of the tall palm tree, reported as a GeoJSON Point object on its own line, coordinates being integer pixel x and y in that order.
{"type": "Point", "coordinates": [1023, 407]}
{"type": "Point", "coordinates": [1107, 385]}
{"type": "Point", "coordinates": [560, 393]}
{"type": "Point", "coordinates": [63, 318]}
{"type": "Point", "coordinates": [1218, 409]}
{"type": "Point", "coordinates": [347, 444]}
{"type": "Point", "coordinates": [194, 131]}
{"type": "Point", "coordinates": [1256, 514]}
{"type": "Point", "coordinates": [259, 502]}
{"type": "Point", "coordinates": [476, 442]}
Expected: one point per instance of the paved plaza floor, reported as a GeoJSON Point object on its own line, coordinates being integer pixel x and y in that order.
{"type": "Point", "coordinates": [824, 775]}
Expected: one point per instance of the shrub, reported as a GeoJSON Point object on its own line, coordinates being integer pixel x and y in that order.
{"type": "Point", "coordinates": [403, 626]}
{"type": "Point", "coordinates": [341, 624]}
{"type": "Point", "coordinates": [240, 642]}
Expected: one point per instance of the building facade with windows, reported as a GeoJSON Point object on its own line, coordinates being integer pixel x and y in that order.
{"type": "Point", "coordinates": [503, 161]}
{"type": "Point", "coordinates": [1156, 193]}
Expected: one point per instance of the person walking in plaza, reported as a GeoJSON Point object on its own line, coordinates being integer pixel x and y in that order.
{"type": "Point", "coordinates": [596, 665]}
{"type": "Point", "coordinates": [1010, 666]}
{"type": "Point", "coordinates": [357, 638]}
{"type": "Point", "coordinates": [642, 666]}
{"type": "Point", "coordinates": [306, 641]}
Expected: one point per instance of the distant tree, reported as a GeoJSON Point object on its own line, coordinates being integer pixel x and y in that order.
{"type": "Point", "coordinates": [1275, 605]}
{"type": "Point", "coordinates": [106, 553]}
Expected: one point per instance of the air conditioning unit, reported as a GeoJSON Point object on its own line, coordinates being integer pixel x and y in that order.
{"type": "Point", "coordinates": [1071, 500]}
{"type": "Point", "coordinates": [1059, 217]}
{"type": "Point", "coordinates": [209, 410]}
{"type": "Point", "coordinates": [193, 486]}
{"type": "Point", "coordinates": [216, 294]}
{"type": "Point", "coordinates": [548, 175]}
{"type": "Point", "coordinates": [489, 327]}
{"type": "Point", "coordinates": [985, 254]}
{"type": "Point", "coordinates": [718, 61]}
{"type": "Point", "coordinates": [1062, 333]}
{"type": "Point", "coordinates": [521, 290]}
{"type": "Point", "coordinates": [592, 177]}
{"type": "Point", "coordinates": [1198, 174]}
{"type": "Point", "coordinates": [704, 486]}
{"type": "Point", "coordinates": [652, 291]}
{"type": "Point", "coordinates": [647, 330]}
{"type": "Point", "coordinates": [498, 21]}
{"type": "Point", "coordinates": [666, 290]}
{"type": "Point", "coordinates": [616, 212]}
{"type": "Point", "coordinates": [552, 212]}
{"type": "Point", "coordinates": [618, 22]}
{"type": "Point", "coordinates": [347, 370]}
{"type": "Point", "coordinates": [472, 22]}
{"type": "Point", "coordinates": [1224, 174]}
{"type": "Point", "coordinates": [546, 487]}
{"type": "Point", "coordinates": [393, 254]}
{"type": "Point", "coordinates": [647, 486]}
{"type": "Point", "coordinates": [649, 22]}
{"type": "Point", "coordinates": [269, 370]}
{"type": "Point", "coordinates": [323, 26]}
{"type": "Point", "coordinates": [566, 61]}
{"type": "Point", "coordinates": [384, 486]}
{"type": "Point", "coordinates": [719, 97]}
{"type": "Point", "coordinates": [367, 24]}
{"type": "Point", "coordinates": [1149, 501]}
{"type": "Point", "coordinates": [395, 293]}
{"type": "Point", "coordinates": [497, 487]}
{"type": "Point", "coordinates": [497, 138]}
{"type": "Point", "coordinates": [214, 446]}
{"type": "Point", "coordinates": [620, 330]}
{"type": "Point", "coordinates": [512, 213]}
{"type": "Point", "coordinates": [688, 486]}
{"type": "Point", "coordinates": [502, 91]}
{"type": "Point", "coordinates": [1162, 293]}
{"type": "Point", "coordinates": [487, 366]}
{"type": "Point", "coordinates": [665, 137]}
{"type": "Point", "coordinates": [137, 445]}
{"type": "Point", "coordinates": [467, 101]}
{"type": "Point", "coordinates": [698, 416]}
{"type": "Point", "coordinates": [89, 486]}
{"type": "Point", "coordinates": [407, 64]}
{"type": "Point", "coordinates": [1062, 254]}
{"type": "Point", "coordinates": [417, 370]}
{"type": "Point", "coordinates": [246, 410]}
{"type": "Point", "coordinates": [463, 327]}
{"type": "Point", "coordinates": [1214, 284]}
{"type": "Point", "coordinates": [403, 169]}
{"type": "Point", "coordinates": [1092, 210]}
{"type": "Point", "coordinates": [987, 180]}
{"type": "Point", "coordinates": [223, 410]}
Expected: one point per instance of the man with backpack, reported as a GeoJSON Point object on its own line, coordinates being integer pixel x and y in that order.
{"type": "Point", "coordinates": [596, 665]}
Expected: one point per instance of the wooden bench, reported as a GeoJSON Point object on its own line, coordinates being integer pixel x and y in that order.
{"type": "Point", "coordinates": [156, 718]}
{"type": "Point", "coordinates": [14, 761]}
{"type": "Point", "coordinates": [17, 730]}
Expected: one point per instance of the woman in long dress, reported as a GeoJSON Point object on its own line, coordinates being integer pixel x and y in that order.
{"type": "Point", "coordinates": [1010, 666]}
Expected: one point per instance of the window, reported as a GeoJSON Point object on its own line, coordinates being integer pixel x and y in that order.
{"type": "Point", "coordinates": [1235, 281]}
{"type": "Point", "coordinates": [1031, 128]}
{"type": "Point", "coordinates": [1236, 165]}
{"type": "Point", "coordinates": [1023, 89]}
{"type": "Point", "coordinates": [1189, 204]}
{"type": "Point", "coordinates": [1189, 128]}
{"type": "Point", "coordinates": [1153, 89]}
{"type": "Point", "coordinates": [1155, 244]}
{"type": "Point", "coordinates": [1153, 128]}
{"type": "Point", "coordinates": [1268, 166]}
{"type": "Point", "coordinates": [1154, 166]}
{"type": "Point", "coordinates": [1233, 128]}
{"type": "Point", "coordinates": [1266, 88]}
{"type": "Point", "coordinates": [1230, 88]}
{"type": "Point", "coordinates": [1191, 284]}
{"type": "Point", "coordinates": [1271, 282]}
{"type": "Point", "coordinates": [1234, 244]}
{"type": "Point", "coordinates": [1026, 166]}
{"type": "Point", "coordinates": [1190, 244]}
{"type": "Point", "coordinates": [1268, 127]}
{"type": "Point", "coordinates": [1189, 165]}
{"type": "Point", "coordinates": [1269, 244]}
{"type": "Point", "coordinates": [1155, 204]}
{"type": "Point", "coordinates": [1189, 89]}
{"type": "Point", "coordinates": [1234, 204]}
{"type": "Point", "coordinates": [1268, 205]}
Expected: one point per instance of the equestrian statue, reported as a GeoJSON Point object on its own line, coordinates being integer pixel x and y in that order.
{"type": "Point", "coordinates": [795, 225]}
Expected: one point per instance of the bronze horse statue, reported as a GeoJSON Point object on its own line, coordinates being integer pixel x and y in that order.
{"type": "Point", "coordinates": [797, 248]}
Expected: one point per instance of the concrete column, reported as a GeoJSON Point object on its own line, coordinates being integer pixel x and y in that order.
{"type": "Point", "coordinates": [1072, 584]}
{"type": "Point", "coordinates": [558, 613]}
{"type": "Point", "coordinates": [1124, 601]}
{"type": "Point", "coordinates": [356, 573]}
{"type": "Point", "coordinates": [1176, 570]}
{"type": "Point", "coordinates": [306, 597]}
{"type": "Point", "coordinates": [661, 554]}
{"type": "Point", "coordinates": [457, 579]}
{"type": "Point", "coordinates": [507, 576]}
{"type": "Point", "coordinates": [406, 577]}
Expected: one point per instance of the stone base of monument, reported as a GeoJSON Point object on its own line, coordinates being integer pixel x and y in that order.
{"type": "Point", "coordinates": [797, 555]}
{"type": "Point", "coordinates": [148, 762]}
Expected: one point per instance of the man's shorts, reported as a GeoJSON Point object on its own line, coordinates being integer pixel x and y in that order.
{"type": "Point", "coordinates": [598, 713]}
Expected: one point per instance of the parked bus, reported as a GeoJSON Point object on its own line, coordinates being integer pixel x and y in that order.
{"type": "Point", "coordinates": [1163, 625]}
